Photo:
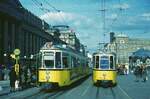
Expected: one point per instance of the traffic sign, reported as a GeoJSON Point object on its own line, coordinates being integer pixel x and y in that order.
{"type": "Point", "coordinates": [16, 51]}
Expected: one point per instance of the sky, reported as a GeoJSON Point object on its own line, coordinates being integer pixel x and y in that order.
{"type": "Point", "coordinates": [130, 17]}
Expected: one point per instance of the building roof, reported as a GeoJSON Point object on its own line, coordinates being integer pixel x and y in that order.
{"type": "Point", "coordinates": [141, 53]}
{"type": "Point", "coordinates": [15, 3]}
{"type": "Point", "coordinates": [121, 35]}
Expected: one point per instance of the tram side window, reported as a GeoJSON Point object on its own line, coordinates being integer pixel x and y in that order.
{"type": "Point", "coordinates": [72, 62]}
{"type": "Point", "coordinates": [38, 61]}
{"type": "Point", "coordinates": [58, 59]}
{"type": "Point", "coordinates": [78, 62]}
{"type": "Point", "coordinates": [97, 61]}
{"type": "Point", "coordinates": [65, 59]}
{"type": "Point", "coordinates": [111, 62]}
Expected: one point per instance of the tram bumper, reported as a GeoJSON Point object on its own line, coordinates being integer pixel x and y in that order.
{"type": "Point", "coordinates": [104, 76]}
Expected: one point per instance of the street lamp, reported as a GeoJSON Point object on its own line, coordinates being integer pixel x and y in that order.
{"type": "Point", "coordinates": [5, 54]}
{"type": "Point", "coordinates": [31, 56]}
{"type": "Point", "coordinates": [25, 57]}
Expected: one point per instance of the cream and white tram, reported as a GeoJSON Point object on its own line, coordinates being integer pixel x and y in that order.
{"type": "Point", "coordinates": [104, 69]}
{"type": "Point", "coordinates": [61, 65]}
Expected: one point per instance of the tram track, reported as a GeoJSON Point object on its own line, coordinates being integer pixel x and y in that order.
{"type": "Point", "coordinates": [47, 95]}
{"type": "Point", "coordinates": [102, 93]}
{"type": "Point", "coordinates": [97, 93]}
{"type": "Point", "coordinates": [113, 93]}
{"type": "Point", "coordinates": [56, 92]}
{"type": "Point", "coordinates": [55, 95]}
{"type": "Point", "coordinates": [34, 95]}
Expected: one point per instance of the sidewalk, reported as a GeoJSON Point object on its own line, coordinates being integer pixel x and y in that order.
{"type": "Point", "coordinates": [4, 87]}
{"type": "Point", "coordinates": [25, 93]}
{"type": "Point", "coordinates": [5, 90]}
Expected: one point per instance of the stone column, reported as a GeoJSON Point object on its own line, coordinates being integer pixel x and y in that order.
{"type": "Point", "coordinates": [6, 37]}
{"type": "Point", "coordinates": [1, 43]}
{"type": "Point", "coordinates": [37, 44]}
{"type": "Point", "coordinates": [13, 36]}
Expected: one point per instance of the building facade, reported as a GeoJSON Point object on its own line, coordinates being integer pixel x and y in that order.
{"type": "Point", "coordinates": [70, 38]}
{"type": "Point", "coordinates": [19, 28]}
{"type": "Point", "coordinates": [124, 46]}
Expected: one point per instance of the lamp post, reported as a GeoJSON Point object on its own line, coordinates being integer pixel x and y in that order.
{"type": "Point", "coordinates": [5, 60]}
{"type": "Point", "coordinates": [25, 57]}
{"type": "Point", "coordinates": [5, 54]}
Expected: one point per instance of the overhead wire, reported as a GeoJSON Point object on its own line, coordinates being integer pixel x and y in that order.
{"type": "Point", "coordinates": [119, 13]}
{"type": "Point", "coordinates": [104, 15]}
{"type": "Point", "coordinates": [43, 9]}
{"type": "Point", "coordinates": [57, 10]}
{"type": "Point", "coordinates": [103, 10]}
{"type": "Point", "coordinates": [39, 6]}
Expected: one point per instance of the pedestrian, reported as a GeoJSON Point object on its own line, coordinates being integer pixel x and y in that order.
{"type": "Point", "coordinates": [22, 78]}
{"type": "Point", "coordinates": [144, 73]}
{"type": "Point", "coordinates": [1, 73]}
{"type": "Point", "coordinates": [12, 77]}
{"type": "Point", "coordinates": [28, 77]}
{"type": "Point", "coordinates": [125, 71]}
{"type": "Point", "coordinates": [137, 73]}
{"type": "Point", "coordinates": [6, 73]}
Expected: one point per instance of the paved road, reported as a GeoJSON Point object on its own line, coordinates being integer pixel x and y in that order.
{"type": "Point", "coordinates": [127, 88]}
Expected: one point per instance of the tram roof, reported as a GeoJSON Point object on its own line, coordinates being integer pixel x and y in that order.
{"type": "Point", "coordinates": [103, 53]}
{"type": "Point", "coordinates": [60, 47]}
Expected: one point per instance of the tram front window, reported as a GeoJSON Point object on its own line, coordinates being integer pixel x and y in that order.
{"type": "Point", "coordinates": [104, 62]}
{"type": "Point", "coordinates": [49, 63]}
{"type": "Point", "coordinates": [49, 59]}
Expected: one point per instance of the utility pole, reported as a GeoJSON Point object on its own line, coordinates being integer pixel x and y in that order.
{"type": "Point", "coordinates": [103, 11]}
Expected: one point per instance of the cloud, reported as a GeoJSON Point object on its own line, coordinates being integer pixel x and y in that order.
{"type": "Point", "coordinates": [146, 16]}
{"type": "Point", "coordinates": [82, 25]}
{"type": "Point", "coordinates": [57, 16]}
{"type": "Point", "coordinates": [71, 18]}
{"type": "Point", "coordinates": [122, 6]}
{"type": "Point", "coordinates": [112, 16]}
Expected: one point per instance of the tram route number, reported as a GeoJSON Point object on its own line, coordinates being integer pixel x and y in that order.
{"type": "Point", "coordinates": [47, 75]}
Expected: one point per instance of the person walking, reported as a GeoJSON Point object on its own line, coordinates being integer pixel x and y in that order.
{"type": "Point", "coordinates": [144, 73]}
{"type": "Point", "coordinates": [137, 73]}
{"type": "Point", "coordinates": [12, 77]}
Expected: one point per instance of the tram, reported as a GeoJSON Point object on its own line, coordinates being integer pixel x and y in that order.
{"type": "Point", "coordinates": [104, 70]}
{"type": "Point", "coordinates": [61, 65]}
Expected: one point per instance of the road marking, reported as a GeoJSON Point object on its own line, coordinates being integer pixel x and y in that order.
{"type": "Point", "coordinates": [85, 90]}
{"type": "Point", "coordinates": [53, 96]}
{"type": "Point", "coordinates": [71, 91]}
{"type": "Point", "coordinates": [77, 87]}
{"type": "Point", "coordinates": [124, 92]}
